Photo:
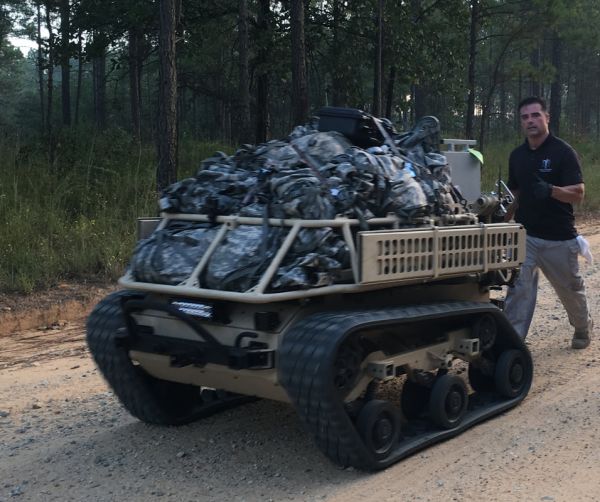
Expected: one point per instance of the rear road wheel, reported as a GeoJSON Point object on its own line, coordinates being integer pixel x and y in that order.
{"type": "Point", "coordinates": [513, 373]}
{"type": "Point", "coordinates": [379, 426]}
{"type": "Point", "coordinates": [448, 401]}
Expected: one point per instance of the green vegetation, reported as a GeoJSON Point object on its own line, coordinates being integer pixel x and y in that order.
{"type": "Point", "coordinates": [76, 219]}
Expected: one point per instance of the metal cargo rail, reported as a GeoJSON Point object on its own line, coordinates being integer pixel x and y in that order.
{"type": "Point", "coordinates": [383, 257]}
{"type": "Point", "coordinates": [429, 253]}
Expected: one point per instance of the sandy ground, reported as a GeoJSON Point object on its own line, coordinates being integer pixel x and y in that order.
{"type": "Point", "coordinates": [64, 436]}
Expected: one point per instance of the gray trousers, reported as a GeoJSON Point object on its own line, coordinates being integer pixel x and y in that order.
{"type": "Point", "coordinates": [558, 262]}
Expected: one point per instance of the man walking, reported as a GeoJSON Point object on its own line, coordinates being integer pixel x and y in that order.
{"type": "Point", "coordinates": [545, 177]}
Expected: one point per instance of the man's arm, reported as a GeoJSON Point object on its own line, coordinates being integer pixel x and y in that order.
{"type": "Point", "coordinates": [572, 194]}
{"type": "Point", "coordinates": [572, 189]}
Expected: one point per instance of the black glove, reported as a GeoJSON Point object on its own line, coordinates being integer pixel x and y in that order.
{"type": "Point", "coordinates": [541, 189]}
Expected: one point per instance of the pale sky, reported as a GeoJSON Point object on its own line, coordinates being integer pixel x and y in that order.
{"type": "Point", "coordinates": [23, 43]}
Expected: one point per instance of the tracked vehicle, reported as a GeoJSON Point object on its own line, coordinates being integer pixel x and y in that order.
{"type": "Point", "coordinates": [408, 348]}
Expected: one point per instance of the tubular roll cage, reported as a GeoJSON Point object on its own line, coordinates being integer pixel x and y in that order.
{"type": "Point", "coordinates": [384, 257]}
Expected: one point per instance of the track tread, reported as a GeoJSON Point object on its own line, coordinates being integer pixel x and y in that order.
{"type": "Point", "coordinates": [306, 360]}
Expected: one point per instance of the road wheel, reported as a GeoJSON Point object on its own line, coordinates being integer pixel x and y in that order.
{"type": "Point", "coordinates": [379, 426]}
{"type": "Point", "coordinates": [348, 370]}
{"type": "Point", "coordinates": [448, 401]}
{"type": "Point", "coordinates": [486, 329]}
{"type": "Point", "coordinates": [513, 373]}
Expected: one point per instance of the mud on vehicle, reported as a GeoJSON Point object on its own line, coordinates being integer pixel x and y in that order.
{"type": "Point", "coordinates": [415, 303]}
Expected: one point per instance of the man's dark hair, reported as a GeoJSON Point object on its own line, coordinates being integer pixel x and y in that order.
{"type": "Point", "coordinates": [532, 100]}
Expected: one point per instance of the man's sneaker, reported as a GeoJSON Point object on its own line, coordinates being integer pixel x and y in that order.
{"type": "Point", "coordinates": [582, 338]}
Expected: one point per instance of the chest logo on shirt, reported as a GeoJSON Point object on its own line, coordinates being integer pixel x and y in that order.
{"type": "Point", "coordinates": [545, 166]}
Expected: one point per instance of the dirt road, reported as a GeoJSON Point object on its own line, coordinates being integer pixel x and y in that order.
{"type": "Point", "coordinates": [64, 436]}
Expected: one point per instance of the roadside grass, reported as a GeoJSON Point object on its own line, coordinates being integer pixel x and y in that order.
{"type": "Point", "coordinates": [76, 219]}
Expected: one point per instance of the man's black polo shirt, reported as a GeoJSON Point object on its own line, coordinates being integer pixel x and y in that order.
{"type": "Point", "coordinates": [553, 161]}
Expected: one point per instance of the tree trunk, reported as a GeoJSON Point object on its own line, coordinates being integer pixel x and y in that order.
{"type": "Point", "coordinates": [519, 95]}
{"type": "Point", "coordinates": [535, 86]}
{"type": "Point", "coordinates": [503, 110]}
{"type": "Point", "coordinates": [79, 75]}
{"type": "Point", "coordinates": [40, 65]}
{"type": "Point", "coordinates": [244, 84]}
{"type": "Point", "coordinates": [299, 84]}
{"type": "Point", "coordinates": [494, 78]}
{"type": "Point", "coordinates": [339, 95]}
{"type": "Point", "coordinates": [378, 68]}
{"type": "Point", "coordinates": [166, 172]}
{"type": "Point", "coordinates": [65, 38]}
{"type": "Point", "coordinates": [194, 115]}
{"type": "Point", "coordinates": [182, 114]}
{"type": "Point", "coordinates": [99, 88]}
{"type": "Point", "coordinates": [221, 106]}
{"type": "Point", "coordinates": [473, 30]}
{"type": "Point", "coordinates": [586, 108]}
{"type": "Point", "coordinates": [568, 108]}
{"type": "Point", "coordinates": [597, 94]}
{"type": "Point", "coordinates": [419, 106]}
{"type": "Point", "coordinates": [390, 93]}
{"type": "Point", "coordinates": [485, 113]}
{"type": "Point", "coordinates": [556, 86]}
{"type": "Point", "coordinates": [134, 82]}
{"type": "Point", "coordinates": [262, 81]}
{"type": "Point", "coordinates": [50, 79]}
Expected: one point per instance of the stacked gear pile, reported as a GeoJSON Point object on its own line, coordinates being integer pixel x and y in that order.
{"type": "Point", "coordinates": [315, 173]}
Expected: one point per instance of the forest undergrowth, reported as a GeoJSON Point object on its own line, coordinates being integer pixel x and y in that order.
{"type": "Point", "coordinates": [75, 218]}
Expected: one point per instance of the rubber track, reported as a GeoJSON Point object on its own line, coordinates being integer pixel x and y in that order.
{"type": "Point", "coordinates": [139, 392]}
{"type": "Point", "coordinates": [307, 356]}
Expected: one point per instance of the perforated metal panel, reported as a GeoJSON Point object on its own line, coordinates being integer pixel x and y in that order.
{"type": "Point", "coordinates": [432, 252]}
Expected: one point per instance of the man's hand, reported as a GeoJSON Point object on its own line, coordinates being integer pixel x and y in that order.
{"type": "Point", "coordinates": [541, 189]}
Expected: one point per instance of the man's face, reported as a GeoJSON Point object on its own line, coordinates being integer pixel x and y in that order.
{"type": "Point", "coordinates": [534, 120]}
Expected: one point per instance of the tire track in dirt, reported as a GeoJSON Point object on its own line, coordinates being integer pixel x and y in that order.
{"type": "Point", "coordinates": [59, 340]}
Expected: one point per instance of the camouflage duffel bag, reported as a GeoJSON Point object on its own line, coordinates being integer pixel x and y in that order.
{"type": "Point", "coordinates": [170, 255]}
